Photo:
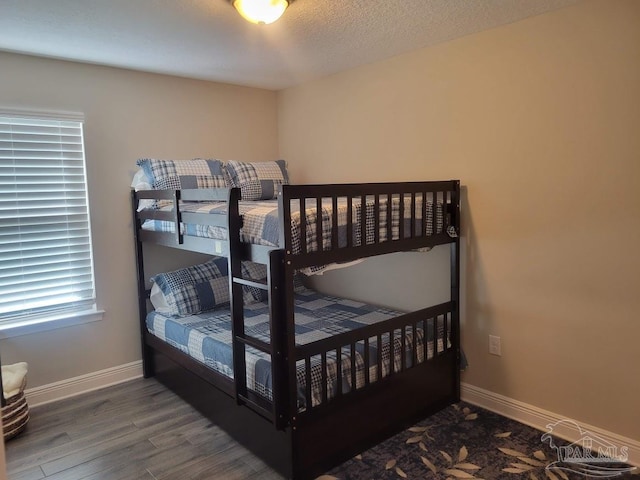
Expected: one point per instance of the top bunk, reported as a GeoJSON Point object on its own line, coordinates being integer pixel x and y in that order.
{"type": "Point", "coordinates": [315, 225]}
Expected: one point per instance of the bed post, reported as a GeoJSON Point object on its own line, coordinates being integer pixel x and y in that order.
{"type": "Point", "coordinates": [455, 283]}
{"type": "Point", "coordinates": [279, 358]}
{"type": "Point", "coordinates": [148, 368]}
{"type": "Point", "coordinates": [286, 292]}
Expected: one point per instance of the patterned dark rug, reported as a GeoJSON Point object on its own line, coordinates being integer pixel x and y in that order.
{"type": "Point", "coordinates": [463, 441]}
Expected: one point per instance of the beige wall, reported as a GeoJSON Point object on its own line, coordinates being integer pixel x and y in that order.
{"type": "Point", "coordinates": [540, 120]}
{"type": "Point", "coordinates": [127, 115]}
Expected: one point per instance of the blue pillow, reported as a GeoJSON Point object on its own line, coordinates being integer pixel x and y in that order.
{"type": "Point", "coordinates": [203, 287]}
{"type": "Point", "coordinates": [180, 174]}
{"type": "Point", "coordinates": [257, 180]}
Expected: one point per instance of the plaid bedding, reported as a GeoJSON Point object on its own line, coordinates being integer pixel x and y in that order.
{"type": "Point", "coordinates": [258, 180]}
{"type": "Point", "coordinates": [207, 338]}
{"type": "Point", "coordinates": [260, 222]}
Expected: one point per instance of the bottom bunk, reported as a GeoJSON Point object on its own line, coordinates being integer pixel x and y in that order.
{"type": "Point", "coordinates": [394, 368]}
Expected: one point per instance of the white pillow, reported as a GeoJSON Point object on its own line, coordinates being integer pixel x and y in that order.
{"type": "Point", "coordinates": [141, 182]}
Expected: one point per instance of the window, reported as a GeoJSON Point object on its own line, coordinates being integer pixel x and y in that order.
{"type": "Point", "coordinates": [46, 265]}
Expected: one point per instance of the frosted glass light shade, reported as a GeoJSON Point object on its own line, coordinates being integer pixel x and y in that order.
{"type": "Point", "coordinates": [261, 11]}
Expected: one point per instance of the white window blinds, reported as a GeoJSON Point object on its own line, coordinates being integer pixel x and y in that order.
{"type": "Point", "coordinates": [46, 263]}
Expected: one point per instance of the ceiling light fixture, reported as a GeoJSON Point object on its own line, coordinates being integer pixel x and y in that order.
{"type": "Point", "coordinates": [261, 11]}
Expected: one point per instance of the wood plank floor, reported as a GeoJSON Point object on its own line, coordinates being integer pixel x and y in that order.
{"type": "Point", "coordinates": [136, 430]}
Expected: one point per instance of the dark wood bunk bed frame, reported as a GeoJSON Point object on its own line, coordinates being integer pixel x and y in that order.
{"type": "Point", "coordinates": [306, 443]}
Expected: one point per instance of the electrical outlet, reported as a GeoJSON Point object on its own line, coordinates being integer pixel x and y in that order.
{"type": "Point", "coordinates": [494, 345]}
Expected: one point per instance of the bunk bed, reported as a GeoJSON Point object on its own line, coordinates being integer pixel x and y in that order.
{"type": "Point", "coordinates": [323, 398]}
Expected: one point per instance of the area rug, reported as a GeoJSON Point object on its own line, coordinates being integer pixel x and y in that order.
{"type": "Point", "coordinates": [463, 441]}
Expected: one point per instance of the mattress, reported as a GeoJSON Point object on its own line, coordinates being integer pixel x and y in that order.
{"type": "Point", "coordinates": [207, 338]}
{"type": "Point", "coordinates": [261, 224]}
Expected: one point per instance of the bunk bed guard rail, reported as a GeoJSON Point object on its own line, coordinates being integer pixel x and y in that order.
{"type": "Point", "coordinates": [380, 218]}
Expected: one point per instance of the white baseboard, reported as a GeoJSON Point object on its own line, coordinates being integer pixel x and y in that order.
{"type": "Point", "coordinates": [83, 384]}
{"type": "Point", "coordinates": [539, 419]}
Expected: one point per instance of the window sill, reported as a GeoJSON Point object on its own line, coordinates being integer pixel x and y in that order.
{"type": "Point", "coordinates": [43, 324]}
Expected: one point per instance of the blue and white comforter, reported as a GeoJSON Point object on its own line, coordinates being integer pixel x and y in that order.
{"type": "Point", "coordinates": [207, 338]}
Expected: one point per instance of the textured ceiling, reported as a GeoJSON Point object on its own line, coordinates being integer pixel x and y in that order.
{"type": "Point", "coordinates": [207, 39]}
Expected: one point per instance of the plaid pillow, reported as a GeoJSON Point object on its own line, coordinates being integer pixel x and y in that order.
{"type": "Point", "coordinates": [174, 175]}
{"type": "Point", "coordinates": [204, 287]}
{"type": "Point", "coordinates": [258, 180]}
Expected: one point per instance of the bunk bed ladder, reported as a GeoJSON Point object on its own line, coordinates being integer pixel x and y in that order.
{"type": "Point", "coordinates": [272, 411]}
